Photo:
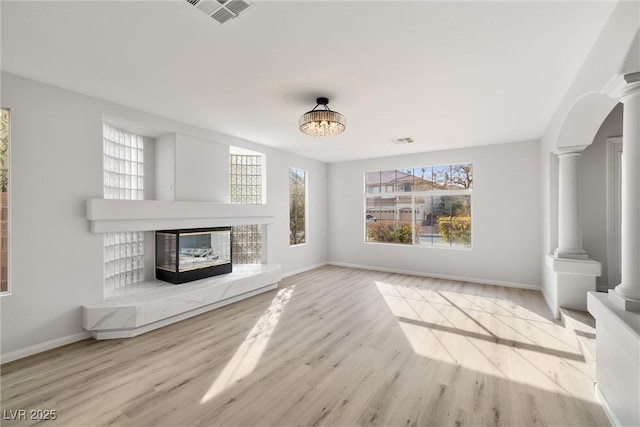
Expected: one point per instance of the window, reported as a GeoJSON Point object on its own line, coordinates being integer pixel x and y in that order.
{"type": "Point", "coordinates": [123, 180]}
{"type": "Point", "coordinates": [123, 259]}
{"type": "Point", "coordinates": [123, 165]}
{"type": "Point", "coordinates": [247, 244]}
{"type": "Point", "coordinates": [297, 206]}
{"type": "Point", "coordinates": [246, 187]}
{"type": "Point", "coordinates": [245, 177]}
{"type": "Point", "coordinates": [426, 206]}
{"type": "Point", "coordinates": [4, 201]}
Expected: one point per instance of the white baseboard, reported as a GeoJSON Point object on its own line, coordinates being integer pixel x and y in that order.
{"type": "Point", "coordinates": [440, 276]}
{"type": "Point", "coordinates": [605, 405]}
{"type": "Point", "coordinates": [39, 348]}
{"type": "Point", "coordinates": [304, 269]}
{"type": "Point", "coordinates": [555, 310]}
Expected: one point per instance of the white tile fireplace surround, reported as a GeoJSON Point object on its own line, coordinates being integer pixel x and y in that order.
{"type": "Point", "coordinates": [150, 305]}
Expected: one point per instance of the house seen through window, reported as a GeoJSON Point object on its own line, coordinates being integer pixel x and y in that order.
{"type": "Point", "coordinates": [425, 206]}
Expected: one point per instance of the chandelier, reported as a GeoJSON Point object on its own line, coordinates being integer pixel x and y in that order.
{"type": "Point", "coordinates": [322, 123]}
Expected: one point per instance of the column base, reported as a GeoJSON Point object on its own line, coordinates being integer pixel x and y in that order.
{"type": "Point", "coordinates": [572, 279]}
{"type": "Point", "coordinates": [624, 303]}
{"type": "Point", "coordinates": [560, 254]}
{"type": "Point", "coordinates": [617, 368]}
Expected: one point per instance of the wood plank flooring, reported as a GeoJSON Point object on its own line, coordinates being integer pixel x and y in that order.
{"type": "Point", "coordinates": [335, 346]}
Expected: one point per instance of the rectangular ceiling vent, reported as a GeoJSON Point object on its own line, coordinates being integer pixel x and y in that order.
{"type": "Point", "coordinates": [222, 15]}
{"type": "Point", "coordinates": [207, 6]}
{"type": "Point", "coordinates": [237, 6]}
{"type": "Point", "coordinates": [220, 10]}
{"type": "Point", "coordinates": [403, 140]}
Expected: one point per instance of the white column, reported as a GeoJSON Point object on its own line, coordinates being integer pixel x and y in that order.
{"type": "Point", "coordinates": [569, 225]}
{"type": "Point", "coordinates": [627, 294]}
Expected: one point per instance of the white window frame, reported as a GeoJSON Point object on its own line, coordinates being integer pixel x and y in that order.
{"type": "Point", "coordinates": [9, 221]}
{"type": "Point", "coordinates": [306, 206]}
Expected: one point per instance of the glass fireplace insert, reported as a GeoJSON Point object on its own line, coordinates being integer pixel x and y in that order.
{"type": "Point", "coordinates": [192, 254]}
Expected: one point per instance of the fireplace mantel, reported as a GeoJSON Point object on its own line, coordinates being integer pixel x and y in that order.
{"type": "Point", "coordinates": [147, 215]}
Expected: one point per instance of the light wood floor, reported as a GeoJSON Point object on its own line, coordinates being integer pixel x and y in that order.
{"type": "Point", "coordinates": [334, 346]}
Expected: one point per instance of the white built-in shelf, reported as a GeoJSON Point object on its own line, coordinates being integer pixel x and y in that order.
{"type": "Point", "coordinates": [148, 215]}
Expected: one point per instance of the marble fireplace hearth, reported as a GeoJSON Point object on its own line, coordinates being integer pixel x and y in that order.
{"type": "Point", "coordinates": [151, 305]}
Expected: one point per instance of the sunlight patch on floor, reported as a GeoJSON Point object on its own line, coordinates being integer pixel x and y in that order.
{"type": "Point", "coordinates": [474, 331]}
{"type": "Point", "coordinates": [246, 358]}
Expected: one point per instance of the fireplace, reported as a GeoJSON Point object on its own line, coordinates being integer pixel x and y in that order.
{"type": "Point", "coordinates": [191, 254]}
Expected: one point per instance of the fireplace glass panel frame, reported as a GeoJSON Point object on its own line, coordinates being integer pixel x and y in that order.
{"type": "Point", "coordinates": [191, 254]}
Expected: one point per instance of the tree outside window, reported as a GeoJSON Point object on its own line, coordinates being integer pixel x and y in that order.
{"type": "Point", "coordinates": [4, 200]}
{"type": "Point", "coordinates": [425, 206]}
{"type": "Point", "coordinates": [297, 206]}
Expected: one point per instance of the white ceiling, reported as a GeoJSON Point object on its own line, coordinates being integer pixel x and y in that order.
{"type": "Point", "coordinates": [447, 74]}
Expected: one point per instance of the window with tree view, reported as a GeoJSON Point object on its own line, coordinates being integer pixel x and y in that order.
{"type": "Point", "coordinates": [4, 201]}
{"type": "Point", "coordinates": [425, 206]}
{"type": "Point", "coordinates": [297, 206]}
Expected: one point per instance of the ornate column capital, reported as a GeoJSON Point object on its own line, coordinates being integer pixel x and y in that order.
{"type": "Point", "coordinates": [574, 150]}
{"type": "Point", "coordinates": [624, 86]}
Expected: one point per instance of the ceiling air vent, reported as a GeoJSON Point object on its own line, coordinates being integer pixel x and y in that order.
{"type": "Point", "coordinates": [207, 6]}
{"type": "Point", "coordinates": [222, 15]}
{"type": "Point", "coordinates": [237, 6]}
{"type": "Point", "coordinates": [220, 10]}
{"type": "Point", "coordinates": [402, 140]}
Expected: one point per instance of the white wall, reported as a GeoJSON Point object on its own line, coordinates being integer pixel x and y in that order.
{"type": "Point", "coordinates": [185, 170]}
{"type": "Point", "coordinates": [165, 167]}
{"type": "Point", "coordinates": [149, 168]}
{"type": "Point", "coordinates": [593, 194]}
{"type": "Point", "coordinates": [314, 252]}
{"type": "Point", "coordinates": [505, 217]}
{"type": "Point", "coordinates": [197, 177]}
{"type": "Point", "coordinates": [56, 138]}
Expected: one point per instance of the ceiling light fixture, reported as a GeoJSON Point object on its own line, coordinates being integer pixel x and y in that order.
{"type": "Point", "coordinates": [321, 123]}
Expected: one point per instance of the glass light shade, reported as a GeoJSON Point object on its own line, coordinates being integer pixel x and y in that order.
{"type": "Point", "coordinates": [321, 123]}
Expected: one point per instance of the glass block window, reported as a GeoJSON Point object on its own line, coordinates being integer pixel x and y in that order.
{"type": "Point", "coordinates": [247, 244]}
{"type": "Point", "coordinates": [123, 164]}
{"type": "Point", "coordinates": [123, 260]}
{"type": "Point", "coordinates": [246, 187]}
{"type": "Point", "coordinates": [246, 179]}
